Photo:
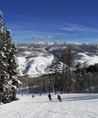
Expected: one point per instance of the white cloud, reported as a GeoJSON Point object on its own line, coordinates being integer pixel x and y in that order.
{"type": "Point", "coordinates": [79, 28]}
{"type": "Point", "coordinates": [43, 37]}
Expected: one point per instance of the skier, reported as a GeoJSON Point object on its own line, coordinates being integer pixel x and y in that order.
{"type": "Point", "coordinates": [49, 96]}
{"type": "Point", "coordinates": [40, 94]}
{"type": "Point", "coordinates": [32, 95]}
{"type": "Point", "coordinates": [59, 98]}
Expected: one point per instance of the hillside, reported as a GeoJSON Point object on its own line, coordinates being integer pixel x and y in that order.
{"type": "Point", "coordinates": [35, 58]}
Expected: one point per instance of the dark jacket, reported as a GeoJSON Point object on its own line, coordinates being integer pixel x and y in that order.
{"type": "Point", "coordinates": [49, 96]}
{"type": "Point", "coordinates": [59, 98]}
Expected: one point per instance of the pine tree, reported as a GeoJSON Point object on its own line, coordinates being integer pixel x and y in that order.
{"type": "Point", "coordinates": [3, 63]}
{"type": "Point", "coordinates": [8, 65]}
{"type": "Point", "coordinates": [66, 72]}
{"type": "Point", "coordinates": [55, 68]}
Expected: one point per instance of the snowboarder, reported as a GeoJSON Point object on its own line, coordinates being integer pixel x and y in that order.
{"type": "Point", "coordinates": [49, 96]}
{"type": "Point", "coordinates": [59, 98]}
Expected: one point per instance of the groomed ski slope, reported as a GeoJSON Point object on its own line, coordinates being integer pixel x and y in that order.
{"type": "Point", "coordinates": [72, 106]}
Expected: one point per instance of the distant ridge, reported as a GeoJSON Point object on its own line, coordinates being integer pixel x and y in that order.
{"type": "Point", "coordinates": [35, 58]}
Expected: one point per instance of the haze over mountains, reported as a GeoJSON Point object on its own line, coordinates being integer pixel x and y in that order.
{"type": "Point", "coordinates": [35, 58]}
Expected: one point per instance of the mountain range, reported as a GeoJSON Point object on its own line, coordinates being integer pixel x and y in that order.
{"type": "Point", "coordinates": [35, 58]}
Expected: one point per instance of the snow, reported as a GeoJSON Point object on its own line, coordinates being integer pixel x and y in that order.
{"type": "Point", "coordinates": [40, 42]}
{"type": "Point", "coordinates": [22, 64]}
{"type": "Point", "coordinates": [2, 54]}
{"type": "Point", "coordinates": [35, 66]}
{"type": "Point", "coordinates": [50, 43]}
{"type": "Point", "coordinates": [72, 106]}
{"type": "Point", "coordinates": [35, 59]}
{"type": "Point", "coordinates": [27, 52]}
{"type": "Point", "coordinates": [87, 60]}
{"type": "Point", "coordinates": [57, 48]}
{"type": "Point", "coordinates": [39, 64]}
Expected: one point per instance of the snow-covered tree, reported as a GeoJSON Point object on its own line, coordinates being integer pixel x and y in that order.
{"type": "Point", "coordinates": [8, 64]}
{"type": "Point", "coordinates": [56, 68]}
{"type": "Point", "coordinates": [66, 72]}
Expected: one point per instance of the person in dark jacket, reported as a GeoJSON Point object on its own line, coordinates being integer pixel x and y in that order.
{"type": "Point", "coordinates": [49, 96]}
{"type": "Point", "coordinates": [59, 98]}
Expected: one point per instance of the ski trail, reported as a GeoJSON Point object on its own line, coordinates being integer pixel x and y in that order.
{"type": "Point", "coordinates": [41, 107]}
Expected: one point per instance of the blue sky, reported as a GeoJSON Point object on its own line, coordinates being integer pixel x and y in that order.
{"type": "Point", "coordinates": [51, 20]}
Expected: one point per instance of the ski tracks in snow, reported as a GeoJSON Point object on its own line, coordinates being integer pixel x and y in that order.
{"type": "Point", "coordinates": [41, 107]}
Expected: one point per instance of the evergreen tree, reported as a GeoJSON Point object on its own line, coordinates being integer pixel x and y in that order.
{"type": "Point", "coordinates": [67, 79]}
{"type": "Point", "coordinates": [3, 64]}
{"type": "Point", "coordinates": [8, 65]}
{"type": "Point", "coordinates": [55, 68]}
